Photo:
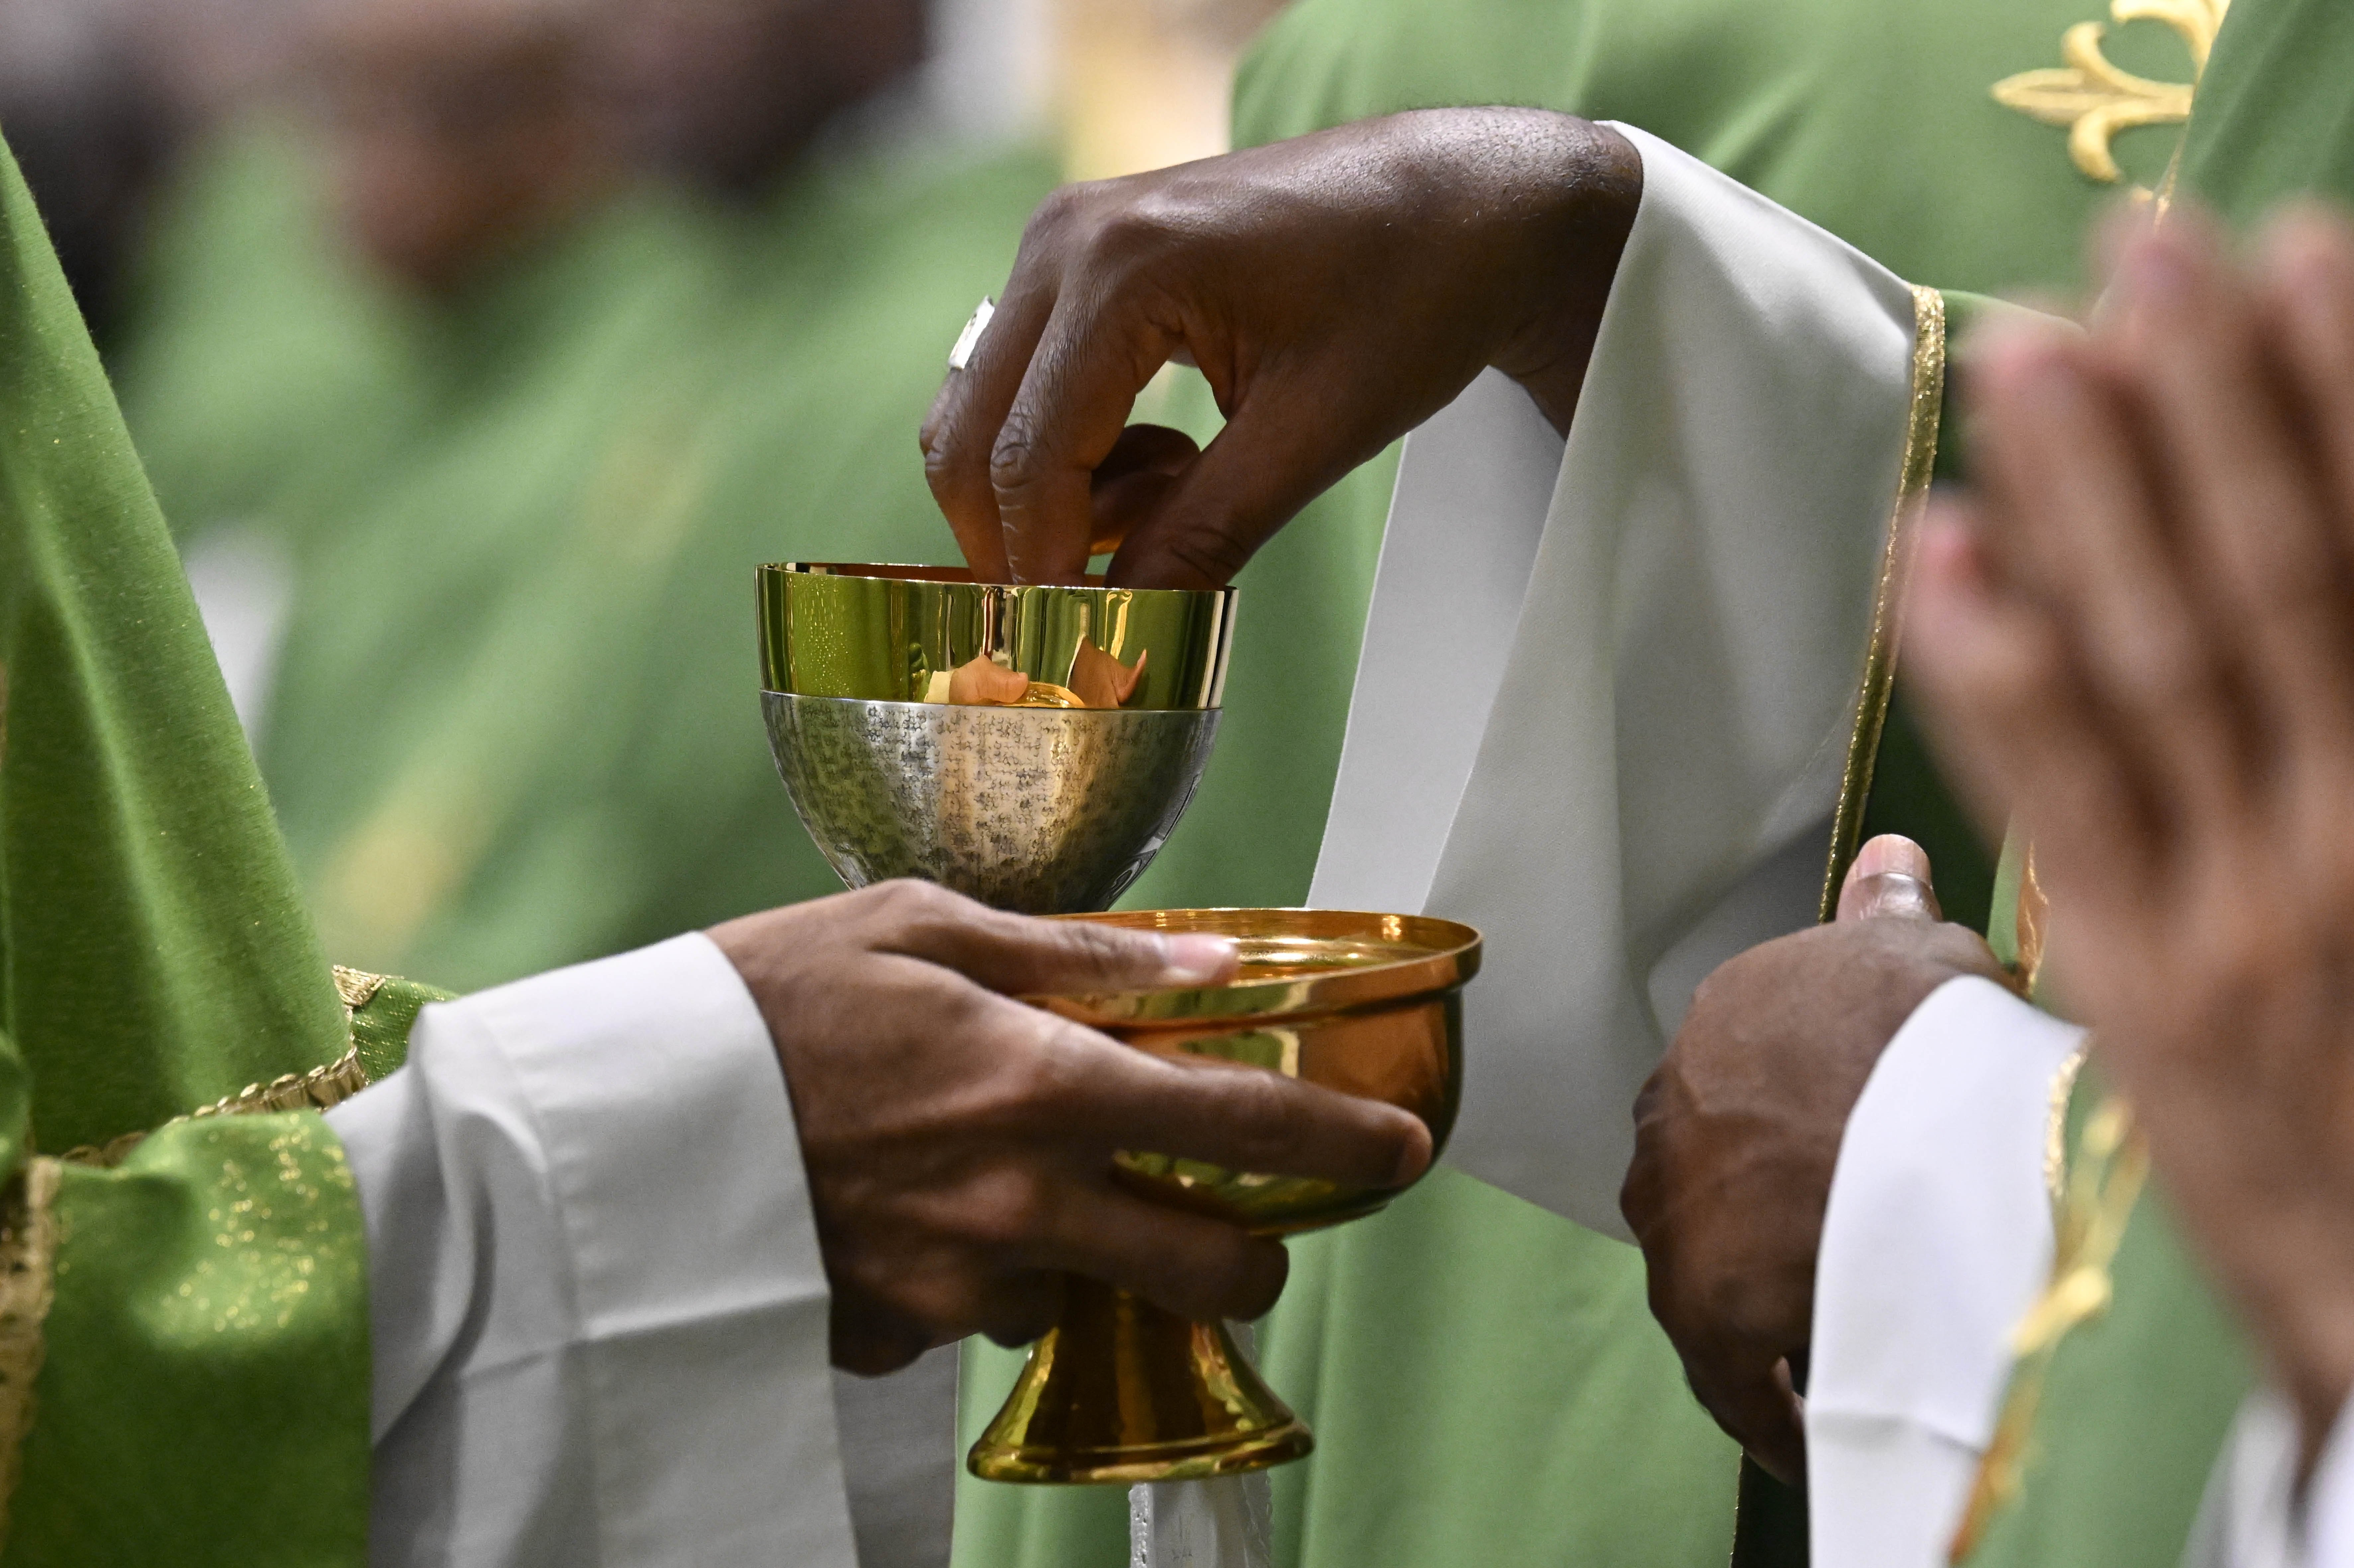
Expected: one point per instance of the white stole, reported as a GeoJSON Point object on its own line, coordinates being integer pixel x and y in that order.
{"type": "Point", "coordinates": [1608, 687]}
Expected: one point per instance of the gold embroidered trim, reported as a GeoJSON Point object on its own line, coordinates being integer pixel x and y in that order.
{"type": "Point", "coordinates": [358, 987]}
{"type": "Point", "coordinates": [321, 1088]}
{"type": "Point", "coordinates": [2055, 1127]}
{"type": "Point", "coordinates": [1923, 415]}
{"type": "Point", "coordinates": [28, 1245]}
{"type": "Point", "coordinates": [2030, 923]}
{"type": "Point", "coordinates": [2111, 1167]}
{"type": "Point", "coordinates": [2096, 99]}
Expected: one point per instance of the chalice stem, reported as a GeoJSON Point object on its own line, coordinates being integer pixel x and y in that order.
{"type": "Point", "coordinates": [1226, 1522]}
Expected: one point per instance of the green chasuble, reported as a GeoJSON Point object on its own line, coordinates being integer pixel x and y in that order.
{"type": "Point", "coordinates": [258, 360]}
{"type": "Point", "coordinates": [2135, 1403]}
{"type": "Point", "coordinates": [1485, 1380]}
{"type": "Point", "coordinates": [515, 721]}
{"type": "Point", "coordinates": [183, 1349]}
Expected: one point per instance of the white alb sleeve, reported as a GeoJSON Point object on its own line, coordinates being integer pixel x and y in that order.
{"type": "Point", "coordinates": [2253, 1515]}
{"type": "Point", "coordinates": [1936, 1238]}
{"type": "Point", "coordinates": [598, 1306]}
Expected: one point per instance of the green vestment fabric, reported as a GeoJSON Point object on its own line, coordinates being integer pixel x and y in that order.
{"type": "Point", "coordinates": [259, 362]}
{"type": "Point", "coordinates": [1485, 1380]}
{"type": "Point", "coordinates": [204, 1398]}
{"type": "Point", "coordinates": [2137, 1404]}
{"type": "Point", "coordinates": [515, 723]}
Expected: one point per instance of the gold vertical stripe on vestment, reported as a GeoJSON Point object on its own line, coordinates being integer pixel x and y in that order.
{"type": "Point", "coordinates": [1924, 416]}
{"type": "Point", "coordinates": [28, 1245]}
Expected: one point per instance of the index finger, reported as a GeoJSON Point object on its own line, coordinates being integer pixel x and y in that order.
{"type": "Point", "coordinates": [961, 429]}
{"type": "Point", "coordinates": [1095, 354]}
{"type": "Point", "coordinates": [1028, 954]}
{"type": "Point", "coordinates": [1243, 1118]}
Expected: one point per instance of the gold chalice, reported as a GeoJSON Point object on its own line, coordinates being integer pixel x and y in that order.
{"type": "Point", "coordinates": [1120, 1391]}
{"type": "Point", "coordinates": [1030, 746]}
{"type": "Point", "coordinates": [1033, 748]}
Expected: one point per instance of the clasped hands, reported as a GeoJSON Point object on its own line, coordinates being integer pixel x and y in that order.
{"type": "Point", "coordinates": [2138, 637]}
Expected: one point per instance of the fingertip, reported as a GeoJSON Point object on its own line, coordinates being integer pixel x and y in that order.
{"type": "Point", "coordinates": [1890, 853]}
{"type": "Point", "coordinates": [1414, 1153]}
{"type": "Point", "coordinates": [1195, 957]}
{"type": "Point", "coordinates": [1266, 1268]}
{"type": "Point", "coordinates": [1890, 877]}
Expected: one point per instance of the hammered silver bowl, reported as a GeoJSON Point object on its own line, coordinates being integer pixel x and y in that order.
{"type": "Point", "coordinates": [1050, 800]}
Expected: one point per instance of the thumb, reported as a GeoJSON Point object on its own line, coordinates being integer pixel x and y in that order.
{"type": "Point", "coordinates": [1890, 879]}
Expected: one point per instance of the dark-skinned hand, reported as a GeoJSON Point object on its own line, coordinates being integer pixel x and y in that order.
{"type": "Point", "coordinates": [960, 1143]}
{"type": "Point", "coordinates": [1336, 290]}
{"type": "Point", "coordinates": [1737, 1133]}
{"type": "Point", "coordinates": [2138, 637]}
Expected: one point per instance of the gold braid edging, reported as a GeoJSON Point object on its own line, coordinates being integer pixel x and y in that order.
{"type": "Point", "coordinates": [28, 1245]}
{"type": "Point", "coordinates": [1925, 413]}
{"type": "Point", "coordinates": [321, 1088]}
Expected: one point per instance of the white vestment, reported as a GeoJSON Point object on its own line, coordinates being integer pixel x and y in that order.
{"type": "Point", "coordinates": [600, 1313]}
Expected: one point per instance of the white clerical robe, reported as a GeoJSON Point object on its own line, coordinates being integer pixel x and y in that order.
{"type": "Point", "coordinates": [600, 1312]}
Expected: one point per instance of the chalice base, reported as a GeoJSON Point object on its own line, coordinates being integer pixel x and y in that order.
{"type": "Point", "coordinates": [1121, 1391]}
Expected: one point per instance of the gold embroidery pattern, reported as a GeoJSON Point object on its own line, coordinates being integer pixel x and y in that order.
{"type": "Point", "coordinates": [2112, 1164]}
{"type": "Point", "coordinates": [1923, 415]}
{"type": "Point", "coordinates": [2055, 1127]}
{"type": "Point", "coordinates": [358, 987]}
{"type": "Point", "coordinates": [2096, 99]}
{"type": "Point", "coordinates": [28, 1243]}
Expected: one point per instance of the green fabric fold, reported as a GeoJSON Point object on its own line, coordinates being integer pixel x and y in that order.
{"type": "Point", "coordinates": [204, 1398]}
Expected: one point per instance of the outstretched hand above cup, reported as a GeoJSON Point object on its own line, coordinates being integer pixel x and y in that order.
{"type": "Point", "coordinates": [2138, 637]}
{"type": "Point", "coordinates": [1336, 289]}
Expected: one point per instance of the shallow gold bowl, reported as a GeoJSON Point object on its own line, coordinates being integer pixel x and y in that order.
{"type": "Point", "coordinates": [1367, 1004]}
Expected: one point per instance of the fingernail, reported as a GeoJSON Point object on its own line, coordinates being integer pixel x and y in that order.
{"type": "Point", "coordinates": [2311, 290]}
{"type": "Point", "coordinates": [1893, 852]}
{"type": "Point", "coordinates": [2157, 274]}
{"type": "Point", "coordinates": [1414, 1158]}
{"type": "Point", "coordinates": [1195, 960]}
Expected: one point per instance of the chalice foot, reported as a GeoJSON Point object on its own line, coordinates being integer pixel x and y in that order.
{"type": "Point", "coordinates": [1121, 1391]}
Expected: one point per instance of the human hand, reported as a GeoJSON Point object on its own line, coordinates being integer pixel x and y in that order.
{"type": "Point", "coordinates": [1737, 1133]}
{"type": "Point", "coordinates": [2137, 639]}
{"type": "Point", "coordinates": [960, 1143]}
{"type": "Point", "coordinates": [1337, 291]}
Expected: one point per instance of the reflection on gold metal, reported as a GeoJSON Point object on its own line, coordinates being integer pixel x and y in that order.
{"type": "Point", "coordinates": [2096, 99]}
{"type": "Point", "coordinates": [910, 634]}
{"type": "Point", "coordinates": [1037, 809]}
{"type": "Point", "coordinates": [2105, 1183]}
{"type": "Point", "coordinates": [1017, 790]}
{"type": "Point", "coordinates": [1924, 417]}
{"type": "Point", "coordinates": [1371, 1006]}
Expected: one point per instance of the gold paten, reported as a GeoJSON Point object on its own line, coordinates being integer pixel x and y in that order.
{"type": "Point", "coordinates": [2096, 99]}
{"type": "Point", "coordinates": [882, 633]}
{"type": "Point", "coordinates": [1924, 417]}
{"type": "Point", "coordinates": [1122, 1392]}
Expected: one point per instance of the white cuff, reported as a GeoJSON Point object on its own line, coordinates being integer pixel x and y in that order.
{"type": "Point", "coordinates": [1937, 1235]}
{"type": "Point", "coordinates": [2250, 1517]}
{"type": "Point", "coordinates": [2330, 1499]}
{"type": "Point", "coordinates": [600, 1311]}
